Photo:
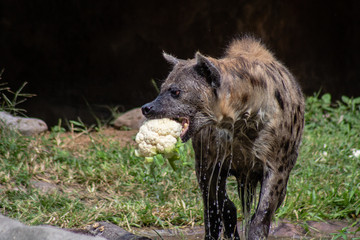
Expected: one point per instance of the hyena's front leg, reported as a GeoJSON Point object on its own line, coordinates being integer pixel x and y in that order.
{"type": "Point", "coordinates": [212, 170]}
{"type": "Point", "coordinates": [212, 216]}
{"type": "Point", "coordinates": [272, 192]}
{"type": "Point", "coordinates": [219, 210]}
{"type": "Point", "coordinates": [228, 215]}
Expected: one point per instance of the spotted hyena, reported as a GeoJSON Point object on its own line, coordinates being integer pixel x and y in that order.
{"type": "Point", "coordinates": [245, 115]}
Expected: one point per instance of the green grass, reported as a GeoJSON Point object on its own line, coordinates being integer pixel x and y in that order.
{"type": "Point", "coordinates": [104, 181]}
{"type": "Point", "coordinates": [100, 182]}
{"type": "Point", "coordinates": [325, 183]}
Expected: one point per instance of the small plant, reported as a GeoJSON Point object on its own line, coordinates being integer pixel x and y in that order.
{"type": "Point", "coordinates": [78, 126]}
{"type": "Point", "coordinates": [345, 233]}
{"type": "Point", "coordinates": [10, 100]}
{"type": "Point", "coordinates": [58, 128]}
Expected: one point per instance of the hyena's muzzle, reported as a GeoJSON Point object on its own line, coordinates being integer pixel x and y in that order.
{"type": "Point", "coordinates": [163, 107]}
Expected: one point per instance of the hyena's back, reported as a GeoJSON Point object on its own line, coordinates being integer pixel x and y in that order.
{"type": "Point", "coordinates": [259, 94]}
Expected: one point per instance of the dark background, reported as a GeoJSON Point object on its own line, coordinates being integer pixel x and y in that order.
{"type": "Point", "coordinates": [105, 53]}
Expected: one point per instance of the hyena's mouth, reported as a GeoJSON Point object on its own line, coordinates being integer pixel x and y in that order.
{"type": "Point", "coordinates": [185, 123]}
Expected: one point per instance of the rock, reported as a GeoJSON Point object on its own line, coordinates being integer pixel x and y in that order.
{"type": "Point", "coordinates": [133, 119]}
{"type": "Point", "coordinates": [26, 126]}
{"type": "Point", "coordinates": [112, 232]}
{"type": "Point", "coordinates": [12, 229]}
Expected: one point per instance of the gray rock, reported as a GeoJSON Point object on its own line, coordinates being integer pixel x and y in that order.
{"type": "Point", "coordinates": [133, 119]}
{"type": "Point", "coordinates": [26, 126]}
{"type": "Point", "coordinates": [112, 232]}
{"type": "Point", "coordinates": [12, 229]}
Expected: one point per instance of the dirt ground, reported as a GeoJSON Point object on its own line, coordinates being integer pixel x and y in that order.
{"type": "Point", "coordinates": [84, 139]}
{"type": "Point", "coordinates": [279, 230]}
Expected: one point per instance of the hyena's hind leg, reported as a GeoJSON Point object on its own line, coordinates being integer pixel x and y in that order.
{"type": "Point", "coordinates": [271, 195]}
{"type": "Point", "coordinates": [247, 187]}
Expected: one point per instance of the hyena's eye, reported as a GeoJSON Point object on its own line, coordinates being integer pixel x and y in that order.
{"type": "Point", "coordinates": [175, 93]}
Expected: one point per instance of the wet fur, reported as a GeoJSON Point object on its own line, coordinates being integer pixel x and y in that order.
{"type": "Point", "coordinates": [247, 116]}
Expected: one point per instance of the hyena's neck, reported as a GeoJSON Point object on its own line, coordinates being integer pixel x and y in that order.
{"type": "Point", "coordinates": [242, 120]}
{"type": "Point", "coordinates": [252, 106]}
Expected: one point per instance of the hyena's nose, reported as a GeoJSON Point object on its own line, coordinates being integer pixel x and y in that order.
{"type": "Point", "coordinates": [147, 109]}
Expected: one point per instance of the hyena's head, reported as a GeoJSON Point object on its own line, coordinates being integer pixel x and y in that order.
{"type": "Point", "coordinates": [187, 95]}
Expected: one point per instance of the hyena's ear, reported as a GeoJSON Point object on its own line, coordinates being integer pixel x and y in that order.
{"type": "Point", "coordinates": [171, 59]}
{"type": "Point", "coordinates": [207, 69]}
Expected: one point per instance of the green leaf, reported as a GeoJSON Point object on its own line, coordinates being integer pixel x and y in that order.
{"type": "Point", "coordinates": [326, 98]}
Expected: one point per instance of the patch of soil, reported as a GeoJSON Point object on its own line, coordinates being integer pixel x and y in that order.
{"type": "Point", "coordinates": [280, 230]}
{"type": "Point", "coordinates": [72, 140]}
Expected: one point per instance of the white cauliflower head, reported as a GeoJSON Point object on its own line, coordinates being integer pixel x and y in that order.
{"type": "Point", "coordinates": [157, 136]}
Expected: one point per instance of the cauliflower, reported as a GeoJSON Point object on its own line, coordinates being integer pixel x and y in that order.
{"type": "Point", "coordinates": [158, 136]}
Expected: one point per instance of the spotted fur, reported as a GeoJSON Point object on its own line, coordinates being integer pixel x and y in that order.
{"type": "Point", "coordinates": [246, 115]}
